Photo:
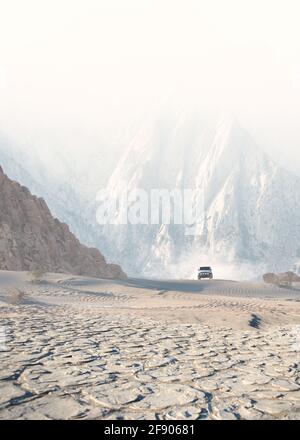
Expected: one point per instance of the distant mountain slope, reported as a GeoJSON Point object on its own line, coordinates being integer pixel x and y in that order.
{"type": "Point", "coordinates": [250, 223]}
{"type": "Point", "coordinates": [31, 237]}
{"type": "Point", "coordinates": [251, 213]}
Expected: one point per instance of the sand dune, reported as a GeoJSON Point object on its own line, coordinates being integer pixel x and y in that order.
{"type": "Point", "coordinates": [87, 348]}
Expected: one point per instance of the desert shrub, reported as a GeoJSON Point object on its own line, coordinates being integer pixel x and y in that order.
{"type": "Point", "coordinates": [16, 296]}
{"type": "Point", "coordinates": [36, 276]}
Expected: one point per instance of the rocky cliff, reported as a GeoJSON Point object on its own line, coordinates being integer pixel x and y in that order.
{"type": "Point", "coordinates": [31, 238]}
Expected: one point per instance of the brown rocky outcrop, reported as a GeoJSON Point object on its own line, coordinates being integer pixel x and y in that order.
{"type": "Point", "coordinates": [31, 238]}
{"type": "Point", "coordinates": [281, 278]}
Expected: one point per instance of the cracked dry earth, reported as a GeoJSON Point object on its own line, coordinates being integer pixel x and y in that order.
{"type": "Point", "coordinates": [76, 355]}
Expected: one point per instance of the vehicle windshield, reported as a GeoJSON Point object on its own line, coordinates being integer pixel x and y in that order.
{"type": "Point", "coordinates": [205, 268]}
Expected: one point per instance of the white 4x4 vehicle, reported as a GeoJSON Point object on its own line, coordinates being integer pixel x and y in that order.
{"type": "Point", "coordinates": [205, 272]}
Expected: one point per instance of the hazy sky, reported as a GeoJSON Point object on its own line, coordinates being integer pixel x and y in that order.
{"type": "Point", "coordinates": [73, 71]}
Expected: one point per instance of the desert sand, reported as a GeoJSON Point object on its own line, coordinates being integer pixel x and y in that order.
{"type": "Point", "coordinates": [84, 348]}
